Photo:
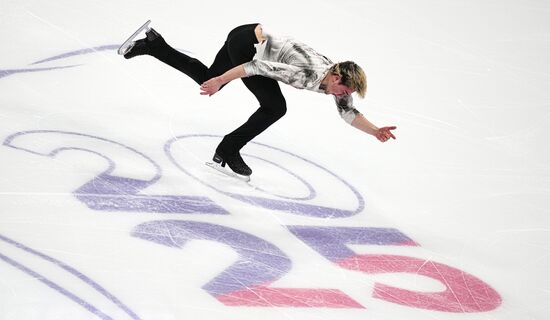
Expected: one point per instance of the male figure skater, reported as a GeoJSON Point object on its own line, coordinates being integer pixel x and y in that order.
{"type": "Point", "coordinates": [261, 60]}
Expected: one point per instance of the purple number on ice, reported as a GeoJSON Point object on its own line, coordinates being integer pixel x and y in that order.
{"type": "Point", "coordinates": [246, 282]}
{"type": "Point", "coordinates": [110, 191]}
{"type": "Point", "coordinates": [287, 204]}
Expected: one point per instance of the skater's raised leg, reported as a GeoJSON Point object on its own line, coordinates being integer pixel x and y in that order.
{"type": "Point", "coordinates": [155, 45]}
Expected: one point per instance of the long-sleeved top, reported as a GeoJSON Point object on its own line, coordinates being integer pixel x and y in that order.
{"type": "Point", "coordinates": [296, 64]}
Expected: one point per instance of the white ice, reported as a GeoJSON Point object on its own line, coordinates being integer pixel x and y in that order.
{"type": "Point", "coordinates": [467, 83]}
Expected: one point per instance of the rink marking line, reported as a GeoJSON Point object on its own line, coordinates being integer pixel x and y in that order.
{"type": "Point", "coordinates": [70, 270]}
{"type": "Point", "coordinates": [80, 194]}
{"type": "Point", "coordinates": [54, 286]}
{"type": "Point", "coordinates": [35, 194]}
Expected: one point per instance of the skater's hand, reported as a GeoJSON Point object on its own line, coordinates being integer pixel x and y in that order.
{"type": "Point", "coordinates": [384, 134]}
{"type": "Point", "coordinates": [211, 86]}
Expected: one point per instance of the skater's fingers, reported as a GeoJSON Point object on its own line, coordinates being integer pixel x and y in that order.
{"type": "Point", "coordinates": [208, 92]}
{"type": "Point", "coordinates": [387, 133]}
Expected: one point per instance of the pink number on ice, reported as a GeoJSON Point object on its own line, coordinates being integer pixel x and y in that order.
{"type": "Point", "coordinates": [463, 292]}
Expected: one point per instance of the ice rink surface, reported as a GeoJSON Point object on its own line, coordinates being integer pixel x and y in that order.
{"type": "Point", "coordinates": [108, 212]}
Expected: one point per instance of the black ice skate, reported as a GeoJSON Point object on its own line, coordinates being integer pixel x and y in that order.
{"type": "Point", "coordinates": [142, 46]}
{"type": "Point", "coordinates": [131, 48]}
{"type": "Point", "coordinates": [239, 169]}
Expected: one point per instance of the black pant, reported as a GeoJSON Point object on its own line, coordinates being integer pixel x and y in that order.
{"type": "Point", "coordinates": [237, 49]}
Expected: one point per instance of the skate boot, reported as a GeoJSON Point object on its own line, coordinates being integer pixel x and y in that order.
{"type": "Point", "coordinates": [235, 163]}
{"type": "Point", "coordinates": [143, 46]}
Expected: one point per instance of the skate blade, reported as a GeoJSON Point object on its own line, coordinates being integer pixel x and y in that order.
{"type": "Point", "coordinates": [227, 172]}
{"type": "Point", "coordinates": [129, 43]}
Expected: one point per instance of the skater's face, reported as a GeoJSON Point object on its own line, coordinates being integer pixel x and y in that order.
{"type": "Point", "coordinates": [336, 88]}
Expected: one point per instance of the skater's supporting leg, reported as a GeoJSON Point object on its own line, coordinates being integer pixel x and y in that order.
{"type": "Point", "coordinates": [240, 47]}
{"type": "Point", "coordinates": [272, 108]}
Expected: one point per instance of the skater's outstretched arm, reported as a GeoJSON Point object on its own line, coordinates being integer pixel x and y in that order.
{"type": "Point", "coordinates": [382, 134]}
{"type": "Point", "coordinates": [213, 85]}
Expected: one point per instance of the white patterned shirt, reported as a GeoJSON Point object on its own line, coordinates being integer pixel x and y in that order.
{"type": "Point", "coordinates": [296, 64]}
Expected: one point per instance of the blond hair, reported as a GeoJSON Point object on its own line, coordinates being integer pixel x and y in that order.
{"type": "Point", "coordinates": [352, 76]}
